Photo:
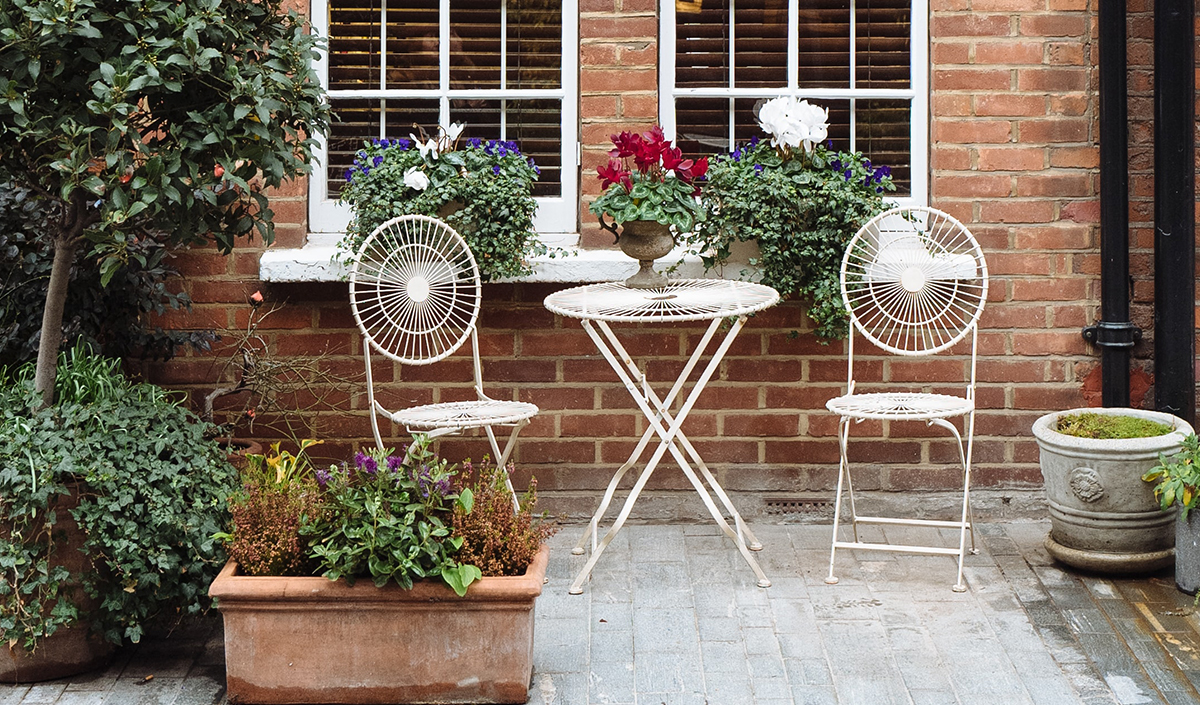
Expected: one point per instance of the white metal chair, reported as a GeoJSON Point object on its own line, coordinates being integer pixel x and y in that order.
{"type": "Point", "coordinates": [415, 295]}
{"type": "Point", "coordinates": [914, 281]}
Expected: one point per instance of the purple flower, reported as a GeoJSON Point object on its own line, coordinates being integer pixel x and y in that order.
{"type": "Point", "coordinates": [836, 164]}
{"type": "Point", "coordinates": [403, 143]}
{"type": "Point", "coordinates": [754, 141]}
{"type": "Point", "coordinates": [348, 175]}
{"type": "Point", "coordinates": [443, 486]}
{"type": "Point", "coordinates": [323, 477]}
{"type": "Point", "coordinates": [736, 154]}
{"type": "Point", "coordinates": [878, 189]}
{"type": "Point", "coordinates": [474, 142]}
{"type": "Point", "coordinates": [394, 463]}
{"type": "Point", "coordinates": [758, 168]}
{"type": "Point", "coordinates": [496, 170]}
{"type": "Point", "coordinates": [361, 154]}
{"type": "Point", "coordinates": [366, 463]}
{"type": "Point", "coordinates": [385, 142]}
{"type": "Point", "coordinates": [829, 144]}
{"type": "Point", "coordinates": [847, 174]}
{"type": "Point", "coordinates": [377, 161]}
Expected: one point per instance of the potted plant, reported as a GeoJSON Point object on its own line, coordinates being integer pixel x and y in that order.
{"type": "Point", "coordinates": [649, 189]}
{"type": "Point", "coordinates": [1178, 482]}
{"type": "Point", "coordinates": [1102, 516]}
{"type": "Point", "coordinates": [366, 565]}
{"type": "Point", "coordinates": [483, 189]}
{"type": "Point", "coordinates": [787, 207]}
{"type": "Point", "coordinates": [109, 501]}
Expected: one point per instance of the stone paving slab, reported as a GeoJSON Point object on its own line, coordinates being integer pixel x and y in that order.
{"type": "Point", "coordinates": [672, 616]}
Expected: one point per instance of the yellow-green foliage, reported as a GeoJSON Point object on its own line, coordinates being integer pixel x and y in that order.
{"type": "Point", "coordinates": [1089, 425]}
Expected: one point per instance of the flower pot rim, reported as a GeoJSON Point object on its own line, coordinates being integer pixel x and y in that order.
{"type": "Point", "coordinates": [1043, 431]}
{"type": "Point", "coordinates": [229, 588]}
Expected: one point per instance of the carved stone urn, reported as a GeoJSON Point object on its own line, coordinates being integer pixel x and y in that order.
{"type": "Point", "coordinates": [1103, 517]}
{"type": "Point", "coordinates": [645, 241]}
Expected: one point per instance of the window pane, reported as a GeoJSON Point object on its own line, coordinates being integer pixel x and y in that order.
{"type": "Point", "coordinates": [702, 125]}
{"type": "Point", "coordinates": [474, 44]}
{"type": "Point", "coordinates": [824, 44]}
{"type": "Point", "coordinates": [357, 121]}
{"type": "Point", "coordinates": [535, 125]}
{"type": "Point", "coordinates": [534, 44]}
{"type": "Point", "coordinates": [882, 46]}
{"type": "Point", "coordinates": [702, 44]}
{"type": "Point", "coordinates": [354, 44]}
{"type": "Point", "coordinates": [760, 44]}
{"type": "Point", "coordinates": [882, 133]}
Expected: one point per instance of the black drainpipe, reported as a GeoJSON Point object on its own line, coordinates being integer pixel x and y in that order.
{"type": "Point", "coordinates": [1114, 333]}
{"type": "Point", "coordinates": [1174, 209]}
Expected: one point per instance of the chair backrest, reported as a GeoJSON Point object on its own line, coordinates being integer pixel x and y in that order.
{"type": "Point", "coordinates": [415, 290]}
{"type": "Point", "coordinates": [914, 281]}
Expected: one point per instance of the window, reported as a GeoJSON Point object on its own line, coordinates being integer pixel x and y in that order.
{"type": "Point", "coordinates": [505, 68]}
{"type": "Point", "coordinates": [865, 60]}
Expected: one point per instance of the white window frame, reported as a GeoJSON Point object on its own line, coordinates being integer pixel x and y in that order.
{"type": "Point", "coordinates": [554, 214]}
{"type": "Point", "coordinates": [917, 92]}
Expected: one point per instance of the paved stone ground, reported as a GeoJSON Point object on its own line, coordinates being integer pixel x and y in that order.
{"type": "Point", "coordinates": [672, 616]}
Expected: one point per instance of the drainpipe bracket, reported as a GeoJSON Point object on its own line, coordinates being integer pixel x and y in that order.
{"type": "Point", "coordinates": [1109, 334]}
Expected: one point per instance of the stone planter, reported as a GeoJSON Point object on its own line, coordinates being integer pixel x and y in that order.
{"type": "Point", "coordinates": [313, 640]}
{"type": "Point", "coordinates": [1102, 516]}
{"type": "Point", "coordinates": [70, 650]}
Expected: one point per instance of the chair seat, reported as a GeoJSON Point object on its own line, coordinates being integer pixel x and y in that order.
{"type": "Point", "coordinates": [464, 414]}
{"type": "Point", "coordinates": [900, 405]}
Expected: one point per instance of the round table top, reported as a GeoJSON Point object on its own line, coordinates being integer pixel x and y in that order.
{"type": "Point", "coordinates": [680, 300]}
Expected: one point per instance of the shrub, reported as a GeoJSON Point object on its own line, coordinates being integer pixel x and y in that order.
{"type": "Point", "coordinates": [151, 494]}
{"type": "Point", "coordinates": [494, 538]}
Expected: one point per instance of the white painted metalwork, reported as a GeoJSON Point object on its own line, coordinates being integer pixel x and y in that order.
{"type": "Point", "coordinates": [598, 305]}
{"type": "Point", "coordinates": [415, 295]}
{"type": "Point", "coordinates": [915, 282]}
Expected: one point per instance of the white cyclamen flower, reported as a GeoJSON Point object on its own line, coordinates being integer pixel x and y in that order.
{"type": "Point", "coordinates": [416, 179]}
{"type": "Point", "coordinates": [428, 149]}
{"type": "Point", "coordinates": [792, 122]}
{"type": "Point", "coordinates": [453, 131]}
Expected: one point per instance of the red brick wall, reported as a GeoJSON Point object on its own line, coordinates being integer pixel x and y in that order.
{"type": "Point", "coordinates": [1013, 155]}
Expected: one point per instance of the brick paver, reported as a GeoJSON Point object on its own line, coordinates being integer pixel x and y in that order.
{"type": "Point", "coordinates": [672, 616]}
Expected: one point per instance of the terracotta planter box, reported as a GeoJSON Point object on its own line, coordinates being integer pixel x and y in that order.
{"type": "Point", "coordinates": [313, 640]}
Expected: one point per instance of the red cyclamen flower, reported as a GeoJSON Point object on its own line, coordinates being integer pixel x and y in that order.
{"type": "Point", "coordinates": [614, 173]}
{"type": "Point", "coordinates": [626, 145]}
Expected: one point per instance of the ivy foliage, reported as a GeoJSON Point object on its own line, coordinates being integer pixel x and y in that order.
{"type": "Point", "coordinates": [113, 318]}
{"type": "Point", "coordinates": [151, 493]}
{"type": "Point", "coordinates": [801, 210]}
{"type": "Point", "coordinates": [163, 116]}
{"type": "Point", "coordinates": [490, 183]}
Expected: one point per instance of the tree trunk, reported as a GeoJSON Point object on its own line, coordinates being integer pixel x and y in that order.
{"type": "Point", "coordinates": [52, 318]}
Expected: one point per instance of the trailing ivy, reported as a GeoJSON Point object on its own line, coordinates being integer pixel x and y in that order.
{"type": "Point", "coordinates": [151, 491]}
{"type": "Point", "coordinates": [491, 181]}
{"type": "Point", "coordinates": [801, 211]}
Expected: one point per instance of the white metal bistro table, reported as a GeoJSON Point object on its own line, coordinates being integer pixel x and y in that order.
{"type": "Point", "coordinates": [715, 300]}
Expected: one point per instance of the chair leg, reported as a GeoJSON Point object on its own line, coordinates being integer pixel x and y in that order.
{"type": "Point", "coordinates": [502, 457]}
{"type": "Point", "coordinates": [843, 471]}
{"type": "Point", "coordinates": [960, 586]}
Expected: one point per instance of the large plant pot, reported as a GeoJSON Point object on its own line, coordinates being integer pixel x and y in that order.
{"type": "Point", "coordinates": [313, 640]}
{"type": "Point", "coordinates": [646, 241]}
{"type": "Point", "coordinates": [69, 650]}
{"type": "Point", "coordinates": [1103, 517]}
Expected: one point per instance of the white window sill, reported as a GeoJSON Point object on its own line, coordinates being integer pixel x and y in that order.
{"type": "Point", "coordinates": [315, 262]}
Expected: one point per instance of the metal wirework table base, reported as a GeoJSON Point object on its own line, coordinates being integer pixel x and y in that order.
{"type": "Point", "coordinates": [686, 300]}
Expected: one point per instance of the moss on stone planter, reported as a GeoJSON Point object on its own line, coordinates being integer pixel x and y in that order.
{"type": "Point", "coordinates": [1090, 425]}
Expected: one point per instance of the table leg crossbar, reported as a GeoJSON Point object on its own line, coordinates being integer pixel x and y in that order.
{"type": "Point", "coordinates": [671, 439]}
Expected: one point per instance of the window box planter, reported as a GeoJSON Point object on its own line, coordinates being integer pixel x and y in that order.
{"type": "Point", "coordinates": [313, 640]}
